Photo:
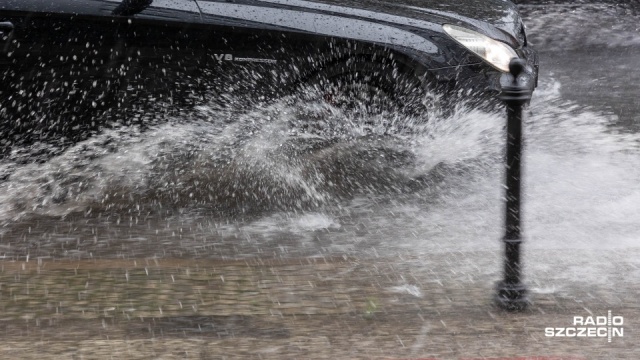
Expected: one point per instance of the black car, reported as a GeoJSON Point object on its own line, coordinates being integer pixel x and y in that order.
{"type": "Point", "coordinates": [70, 67]}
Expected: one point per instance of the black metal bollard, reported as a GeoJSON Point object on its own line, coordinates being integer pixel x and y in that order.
{"type": "Point", "coordinates": [511, 292]}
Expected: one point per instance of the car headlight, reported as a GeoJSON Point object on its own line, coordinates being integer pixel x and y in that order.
{"type": "Point", "coordinates": [494, 52]}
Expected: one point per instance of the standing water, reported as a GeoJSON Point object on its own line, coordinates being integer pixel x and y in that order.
{"type": "Point", "coordinates": [413, 204]}
{"type": "Point", "coordinates": [299, 178]}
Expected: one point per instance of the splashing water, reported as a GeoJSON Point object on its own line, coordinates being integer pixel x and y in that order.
{"type": "Point", "coordinates": [308, 178]}
{"type": "Point", "coordinates": [290, 155]}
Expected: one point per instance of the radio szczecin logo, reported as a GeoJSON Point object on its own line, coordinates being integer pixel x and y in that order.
{"type": "Point", "coordinates": [590, 326]}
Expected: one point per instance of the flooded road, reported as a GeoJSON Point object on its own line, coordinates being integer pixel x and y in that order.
{"type": "Point", "coordinates": [266, 184]}
{"type": "Point", "coordinates": [400, 217]}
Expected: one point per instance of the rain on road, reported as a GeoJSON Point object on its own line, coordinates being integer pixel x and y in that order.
{"type": "Point", "coordinates": [245, 235]}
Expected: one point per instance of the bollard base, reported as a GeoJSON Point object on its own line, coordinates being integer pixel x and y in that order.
{"type": "Point", "coordinates": [511, 297]}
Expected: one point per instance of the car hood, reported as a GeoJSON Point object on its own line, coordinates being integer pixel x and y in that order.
{"type": "Point", "coordinates": [496, 18]}
{"type": "Point", "coordinates": [502, 14]}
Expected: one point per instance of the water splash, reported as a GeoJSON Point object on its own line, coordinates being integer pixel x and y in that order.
{"type": "Point", "coordinates": [293, 154]}
{"type": "Point", "coordinates": [305, 178]}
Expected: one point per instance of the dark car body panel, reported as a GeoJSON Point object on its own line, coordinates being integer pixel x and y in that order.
{"type": "Point", "coordinates": [70, 66]}
{"type": "Point", "coordinates": [427, 15]}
